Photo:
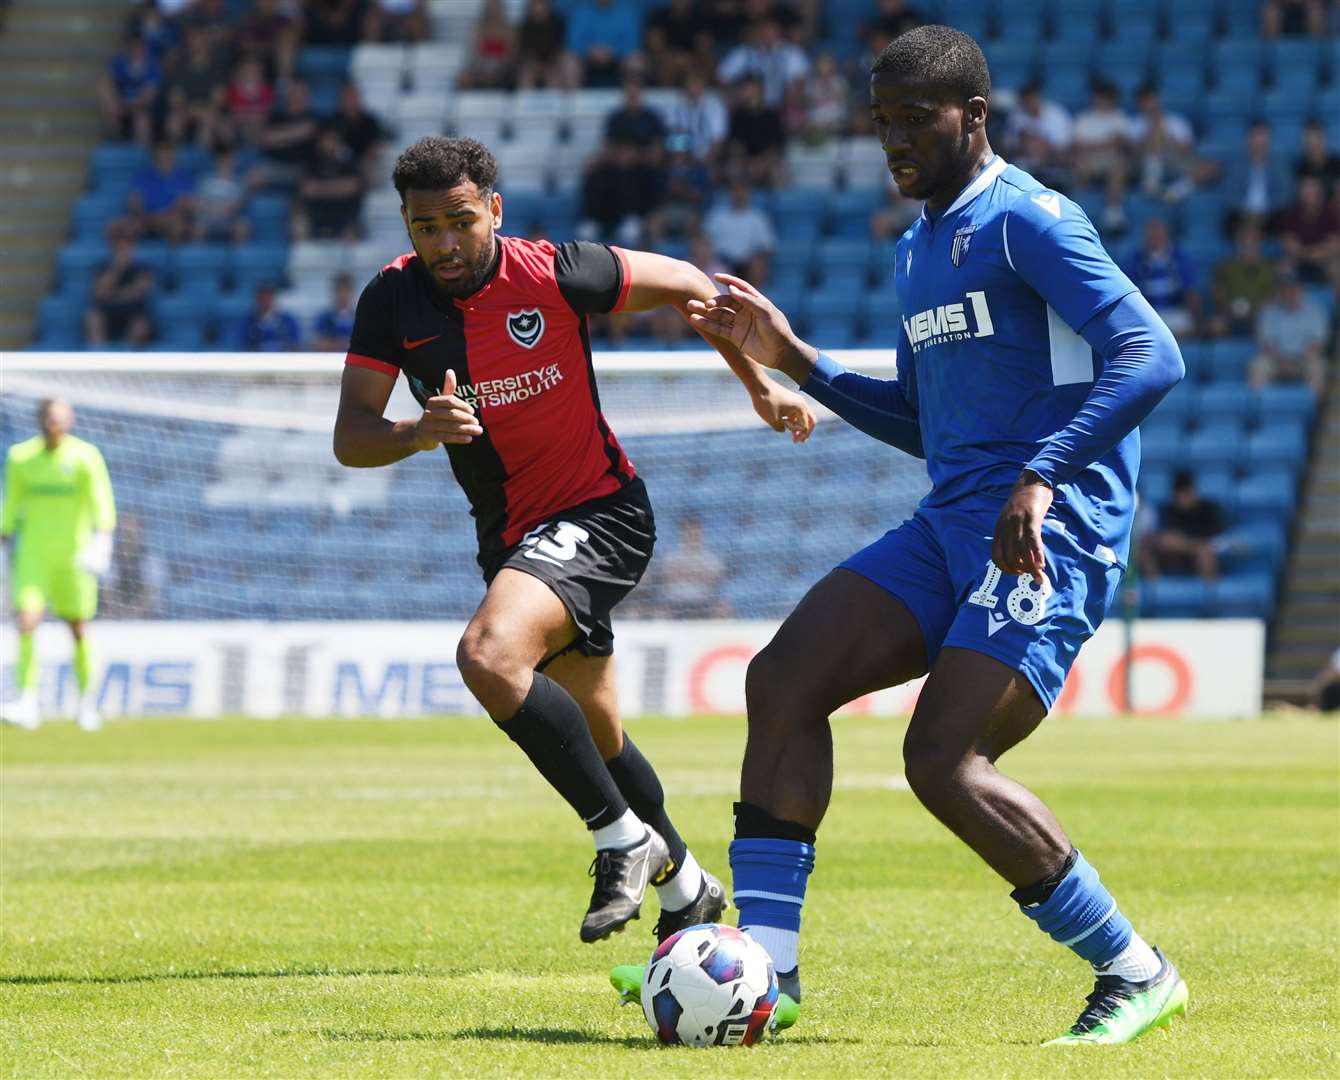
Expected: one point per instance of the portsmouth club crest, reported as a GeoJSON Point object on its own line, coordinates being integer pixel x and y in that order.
{"type": "Point", "coordinates": [525, 327]}
{"type": "Point", "coordinates": [958, 250]}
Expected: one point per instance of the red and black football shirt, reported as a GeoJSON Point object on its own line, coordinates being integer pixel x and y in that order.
{"type": "Point", "coordinates": [521, 351]}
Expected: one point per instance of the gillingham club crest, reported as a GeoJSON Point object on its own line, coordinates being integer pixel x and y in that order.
{"type": "Point", "coordinates": [958, 250]}
{"type": "Point", "coordinates": [525, 327]}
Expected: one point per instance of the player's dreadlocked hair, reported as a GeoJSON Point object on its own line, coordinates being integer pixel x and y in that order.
{"type": "Point", "coordinates": [939, 56]}
{"type": "Point", "coordinates": [435, 163]}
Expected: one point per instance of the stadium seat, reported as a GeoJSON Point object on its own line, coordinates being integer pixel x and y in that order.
{"type": "Point", "coordinates": [1291, 403]}
{"type": "Point", "coordinates": [1161, 446]}
{"type": "Point", "coordinates": [1175, 597]}
{"type": "Point", "coordinates": [81, 257]}
{"type": "Point", "coordinates": [1217, 443]}
{"type": "Point", "coordinates": [1277, 443]}
{"type": "Point", "coordinates": [1225, 401]}
{"type": "Point", "coordinates": [323, 61]}
{"type": "Point", "coordinates": [1249, 594]}
{"type": "Point", "coordinates": [1268, 495]}
{"type": "Point", "coordinates": [1230, 357]}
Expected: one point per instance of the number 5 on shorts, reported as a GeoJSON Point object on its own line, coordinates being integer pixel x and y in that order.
{"type": "Point", "coordinates": [559, 546]}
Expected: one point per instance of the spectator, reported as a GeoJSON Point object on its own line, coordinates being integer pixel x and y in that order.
{"type": "Point", "coordinates": [701, 118]}
{"type": "Point", "coordinates": [361, 131]}
{"type": "Point", "coordinates": [396, 20]}
{"type": "Point", "coordinates": [1326, 685]}
{"type": "Point", "coordinates": [492, 51]}
{"type": "Point", "coordinates": [767, 56]}
{"type": "Point", "coordinates": [148, 24]}
{"type": "Point", "coordinates": [614, 203]}
{"type": "Point", "coordinates": [1103, 152]}
{"type": "Point", "coordinates": [211, 18]}
{"type": "Point", "coordinates": [742, 234]}
{"type": "Point", "coordinates": [1317, 159]}
{"type": "Point", "coordinates": [689, 577]}
{"type": "Point", "coordinates": [1293, 18]}
{"type": "Point", "coordinates": [336, 323]}
{"type": "Point", "coordinates": [1165, 145]}
{"type": "Point", "coordinates": [542, 59]}
{"type": "Point", "coordinates": [890, 221]}
{"type": "Point", "coordinates": [1166, 277]}
{"type": "Point", "coordinates": [137, 573]}
{"type": "Point", "coordinates": [267, 328]}
{"type": "Point", "coordinates": [1257, 184]}
{"type": "Point", "coordinates": [195, 87]}
{"type": "Point", "coordinates": [330, 194]}
{"type": "Point", "coordinates": [755, 138]}
{"type": "Point", "coordinates": [120, 308]}
{"type": "Point", "coordinates": [160, 197]}
{"type": "Point", "coordinates": [269, 36]}
{"type": "Point", "coordinates": [1291, 333]}
{"type": "Point", "coordinates": [250, 98]}
{"type": "Point", "coordinates": [892, 17]}
{"type": "Point", "coordinates": [601, 34]}
{"type": "Point", "coordinates": [1243, 281]}
{"type": "Point", "coordinates": [1310, 231]}
{"type": "Point", "coordinates": [129, 93]}
{"type": "Point", "coordinates": [704, 256]}
{"type": "Point", "coordinates": [1039, 132]}
{"type": "Point", "coordinates": [289, 137]}
{"type": "Point", "coordinates": [1184, 540]}
{"type": "Point", "coordinates": [687, 188]}
{"type": "Point", "coordinates": [821, 102]}
{"type": "Point", "coordinates": [670, 41]}
{"type": "Point", "coordinates": [332, 22]}
{"type": "Point", "coordinates": [637, 125]}
{"type": "Point", "coordinates": [220, 198]}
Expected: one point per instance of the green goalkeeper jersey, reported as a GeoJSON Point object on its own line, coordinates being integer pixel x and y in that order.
{"type": "Point", "coordinates": [55, 499]}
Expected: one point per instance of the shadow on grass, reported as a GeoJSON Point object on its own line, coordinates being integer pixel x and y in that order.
{"type": "Point", "coordinates": [547, 1035]}
{"type": "Point", "coordinates": [166, 976]}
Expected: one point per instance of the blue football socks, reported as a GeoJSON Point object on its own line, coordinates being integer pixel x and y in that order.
{"type": "Point", "coordinates": [1080, 914]}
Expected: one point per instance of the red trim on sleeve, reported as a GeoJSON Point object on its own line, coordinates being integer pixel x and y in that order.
{"type": "Point", "coordinates": [627, 279]}
{"type": "Point", "coordinates": [359, 360]}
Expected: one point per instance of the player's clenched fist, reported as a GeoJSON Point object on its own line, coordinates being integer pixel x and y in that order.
{"type": "Point", "coordinates": [446, 419]}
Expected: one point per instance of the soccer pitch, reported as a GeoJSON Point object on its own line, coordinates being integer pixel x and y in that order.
{"type": "Point", "coordinates": [402, 898]}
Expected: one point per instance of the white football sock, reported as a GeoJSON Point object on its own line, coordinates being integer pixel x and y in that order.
{"type": "Point", "coordinates": [624, 833]}
{"type": "Point", "coordinates": [780, 944]}
{"type": "Point", "coordinates": [1135, 963]}
{"type": "Point", "coordinates": [682, 889]}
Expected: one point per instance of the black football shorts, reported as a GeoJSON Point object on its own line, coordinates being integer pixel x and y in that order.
{"type": "Point", "coordinates": [591, 556]}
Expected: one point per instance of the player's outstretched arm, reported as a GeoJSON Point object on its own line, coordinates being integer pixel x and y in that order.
{"type": "Point", "coordinates": [754, 324]}
{"type": "Point", "coordinates": [656, 281]}
{"type": "Point", "coordinates": [364, 438]}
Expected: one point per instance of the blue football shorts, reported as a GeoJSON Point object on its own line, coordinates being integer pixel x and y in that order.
{"type": "Point", "coordinates": [938, 563]}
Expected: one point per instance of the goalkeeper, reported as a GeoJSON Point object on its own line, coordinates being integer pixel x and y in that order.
{"type": "Point", "coordinates": [58, 514]}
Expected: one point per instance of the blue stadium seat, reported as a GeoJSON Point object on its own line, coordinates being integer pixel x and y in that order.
{"type": "Point", "coordinates": [1217, 443]}
{"type": "Point", "coordinates": [1218, 484]}
{"type": "Point", "coordinates": [1160, 446]}
{"type": "Point", "coordinates": [1287, 403]}
{"type": "Point", "coordinates": [1230, 358]}
{"type": "Point", "coordinates": [1175, 597]}
{"type": "Point", "coordinates": [267, 260]}
{"type": "Point", "coordinates": [879, 311]}
{"type": "Point", "coordinates": [1190, 26]}
{"type": "Point", "coordinates": [1225, 401]}
{"type": "Point", "coordinates": [1068, 85]}
{"type": "Point", "coordinates": [55, 311]}
{"type": "Point", "coordinates": [1239, 59]}
{"type": "Point", "coordinates": [832, 331]}
{"type": "Point", "coordinates": [81, 257]}
{"type": "Point", "coordinates": [316, 61]}
{"type": "Point", "coordinates": [1078, 26]}
{"type": "Point", "coordinates": [180, 337]}
{"type": "Point", "coordinates": [92, 211]}
{"type": "Point", "coordinates": [65, 338]}
{"type": "Point", "coordinates": [1196, 357]}
{"type": "Point", "coordinates": [1278, 443]}
{"type": "Point", "coordinates": [1269, 495]}
{"type": "Point", "coordinates": [1249, 594]}
{"type": "Point", "coordinates": [849, 256]}
{"type": "Point", "coordinates": [1255, 546]}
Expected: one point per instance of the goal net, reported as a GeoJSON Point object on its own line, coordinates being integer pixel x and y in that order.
{"type": "Point", "coordinates": [232, 505]}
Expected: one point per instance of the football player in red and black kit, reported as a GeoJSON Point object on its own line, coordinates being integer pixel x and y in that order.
{"type": "Point", "coordinates": [491, 332]}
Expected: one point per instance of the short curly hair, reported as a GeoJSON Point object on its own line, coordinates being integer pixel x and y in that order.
{"type": "Point", "coordinates": [939, 56]}
{"type": "Point", "coordinates": [436, 163]}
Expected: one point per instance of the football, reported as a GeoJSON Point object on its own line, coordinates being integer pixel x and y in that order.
{"type": "Point", "coordinates": [709, 985]}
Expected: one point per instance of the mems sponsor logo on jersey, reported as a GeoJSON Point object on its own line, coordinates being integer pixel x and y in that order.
{"type": "Point", "coordinates": [512, 388]}
{"type": "Point", "coordinates": [950, 322]}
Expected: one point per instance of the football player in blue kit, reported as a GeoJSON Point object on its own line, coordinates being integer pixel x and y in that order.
{"type": "Point", "coordinates": [1026, 360]}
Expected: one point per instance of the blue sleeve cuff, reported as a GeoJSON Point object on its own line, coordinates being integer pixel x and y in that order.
{"type": "Point", "coordinates": [826, 369]}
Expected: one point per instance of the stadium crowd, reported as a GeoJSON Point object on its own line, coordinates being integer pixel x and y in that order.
{"type": "Point", "coordinates": [239, 132]}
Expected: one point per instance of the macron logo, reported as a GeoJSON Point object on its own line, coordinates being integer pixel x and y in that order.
{"type": "Point", "coordinates": [950, 322]}
{"type": "Point", "coordinates": [1049, 201]}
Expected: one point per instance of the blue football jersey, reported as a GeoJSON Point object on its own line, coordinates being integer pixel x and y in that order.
{"type": "Point", "coordinates": [993, 291]}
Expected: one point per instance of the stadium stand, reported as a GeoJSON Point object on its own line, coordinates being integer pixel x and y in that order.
{"type": "Point", "coordinates": [1189, 75]}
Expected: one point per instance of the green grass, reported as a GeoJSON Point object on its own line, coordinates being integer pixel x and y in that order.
{"type": "Point", "coordinates": [402, 898]}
